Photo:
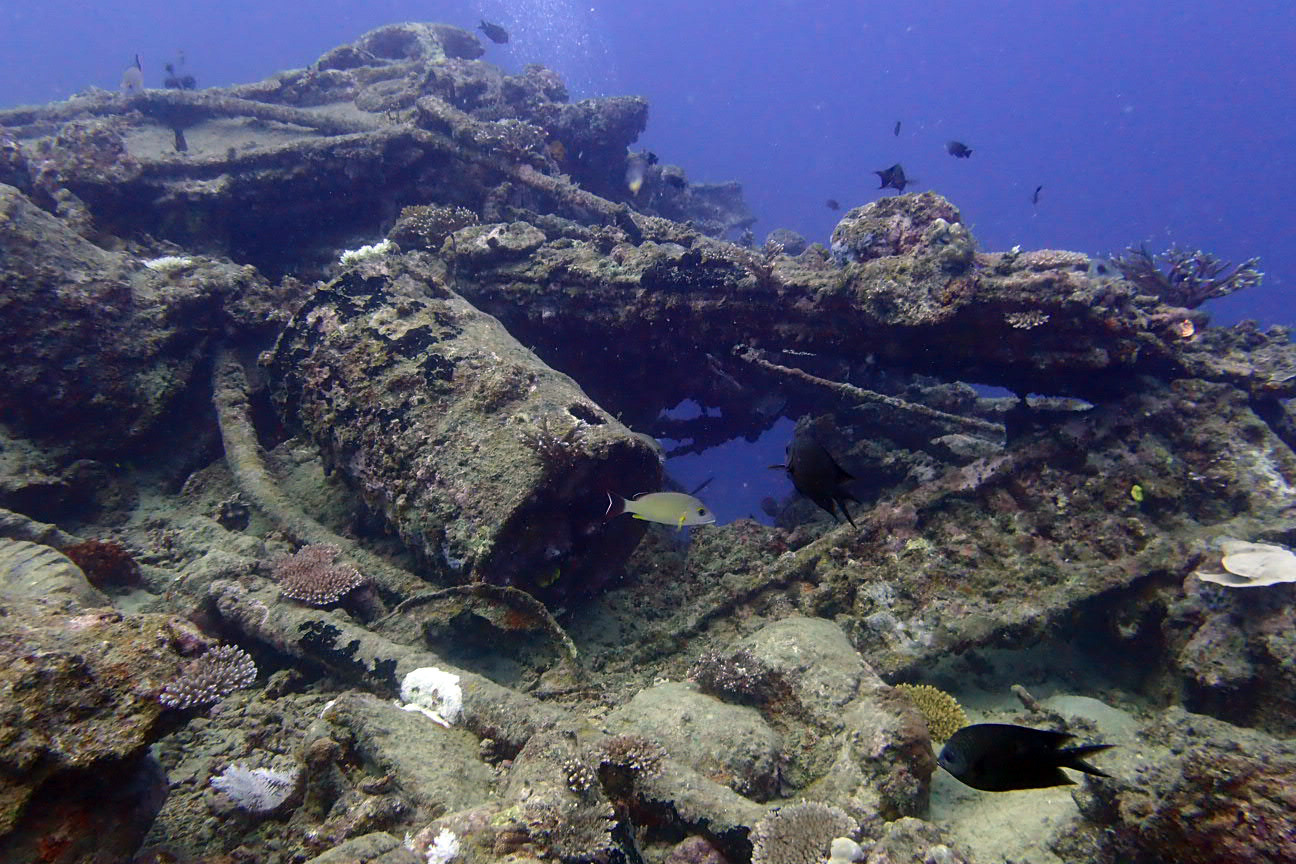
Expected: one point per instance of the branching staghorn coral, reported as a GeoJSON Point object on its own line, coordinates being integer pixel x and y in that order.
{"type": "Point", "coordinates": [799, 833]}
{"type": "Point", "coordinates": [424, 226]}
{"type": "Point", "coordinates": [1186, 277]}
{"type": "Point", "coordinates": [210, 678]}
{"type": "Point", "coordinates": [761, 264]}
{"type": "Point", "coordinates": [557, 449]}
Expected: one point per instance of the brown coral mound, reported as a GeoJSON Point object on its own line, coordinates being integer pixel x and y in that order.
{"type": "Point", "coordinates": [78, 715]}
{"type": "Point", "coordinates": [739, 677]}
{"type": "Point", "coordinates": [104, 562]}
{"type": "Point", "coordinates": [634, 753]}
{"type": "Point", "coordinates": [426, 227]}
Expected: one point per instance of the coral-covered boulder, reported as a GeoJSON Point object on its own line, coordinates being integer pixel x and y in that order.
{"type": "Point", "coordinates": [731, 744]}
{"type": "Point", "coordinates": [78, 710]}
{"type": "Point", "coordinates": [487, 463]}
{"type": "Point", "coordinates": [595, 134]}
{"type": "Point", "coordinates": [855, 739]}
{"type": "Point", "coordinates": [1219, 793]}
{"type": "Point", "coordinates": [97, 346]}
{"type": "Point", "coordinates": [419, 41]}
{"type": "Point", "coordinates": [903, 225]}
{"type": "Point", "coordinates": [844, 734]}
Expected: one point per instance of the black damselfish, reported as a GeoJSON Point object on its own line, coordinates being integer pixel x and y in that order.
{"type": "Point", "coordinates": [958, 149]}
{"type": "Point", "coordinates": [999, 757]}
{"type": "Point", "coordinates": [817, 476]}
{"type": "Point", "coordinates": [893, 178]}
{"type": "Point", "coordinates": [494, 32]}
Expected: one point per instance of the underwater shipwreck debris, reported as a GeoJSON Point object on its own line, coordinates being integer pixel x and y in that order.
{"type": "Point", "coordinates": [416, 398]}
{"type": "Point", "coordinates": [64, 299]}
{"type": "Point", "coordinates": [407, 125]}
{"type": "Point", "coordinates": [910, 279]}
{"type": "Point", "coordinates": [243, 456]}
{"type": "Point", "coordinates": [428, 410]}
{"type": "Point", "coordinates": [514, 609]}
{"type": "Point", "coordinates": [514, 722]}
{"type": "Point", "coordinates": [438, 145]}
{"type": "Point", "coordinates": [861, 394]}
{"type": "Point", "coordinates": [33, 571]}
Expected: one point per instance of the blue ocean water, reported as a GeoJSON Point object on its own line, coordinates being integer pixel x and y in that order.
{"type": "Point", "coordinates": [1152, 123]}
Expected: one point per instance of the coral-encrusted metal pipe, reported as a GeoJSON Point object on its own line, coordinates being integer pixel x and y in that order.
{"type": "Point", "coordinates": [489, 464]}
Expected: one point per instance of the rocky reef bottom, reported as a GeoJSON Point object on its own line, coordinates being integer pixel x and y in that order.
{"type": "Point", "coordinates": [719, 683]}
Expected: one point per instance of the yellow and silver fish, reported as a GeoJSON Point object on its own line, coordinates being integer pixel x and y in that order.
{"type": "Point", "coordinates": [133, 78]}
{"type": "Point", "coordinates": [636, 170]}
{"type": "Point", "coordinates": [668, 508]}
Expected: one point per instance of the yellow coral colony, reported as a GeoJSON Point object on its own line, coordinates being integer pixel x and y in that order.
{"type": "Point", "coordinates": [943, 712]}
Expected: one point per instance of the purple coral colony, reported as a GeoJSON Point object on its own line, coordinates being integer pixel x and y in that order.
{"type": "Point", "coordinates": [340, 583]}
